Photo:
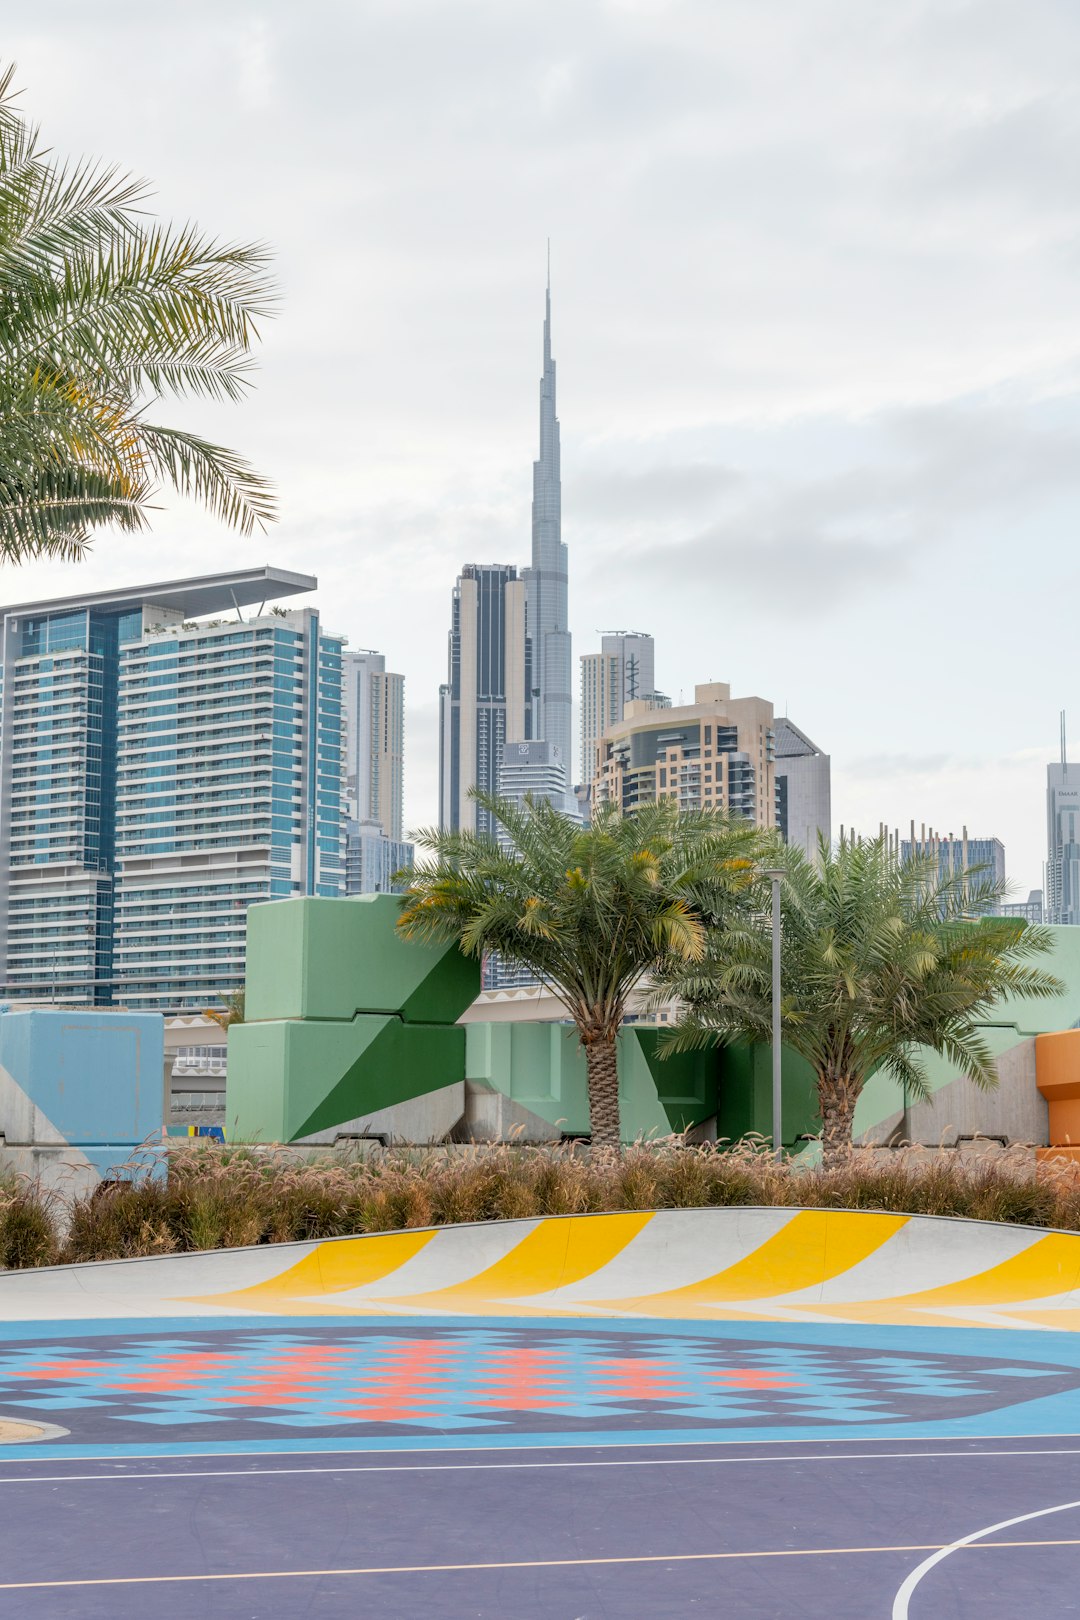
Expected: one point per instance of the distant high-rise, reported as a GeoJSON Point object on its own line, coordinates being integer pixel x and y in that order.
{"type": "Point", "coordinates": [985, 857]}
{"type": "Point", "coordinates": [713, 754]}
{"type": "Point", "coordinates": [533, 770]}
{"type": "Point", "coordinates": [1029, 910]}
{"type": "Point", "coordinates": [1063, 843]}
{"type": "Point", "coordinates": [549, 697]}
{"type": "Point", "coordinates": [803, 788]}
{"type": "Point", "coordinates": [621, 672]}
{"type": "Point", "coordinates": [372, 860]}
{"type": "Point", "coordinates": [373, 703]}
{"type": "Point", "coordinates": [160, 772]}
{"type": "Point", "coordinates": [482, 704]}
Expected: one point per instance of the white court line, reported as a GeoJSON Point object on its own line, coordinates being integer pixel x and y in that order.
{"type": "Point", "coordinates": [583, 1445]}
{"type": "Point", "coordinates": [903, 1596]}
{"type": "Point", "coordinates": [486, 1468]}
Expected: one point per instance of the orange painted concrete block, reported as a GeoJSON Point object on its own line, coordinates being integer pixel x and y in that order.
{"type": "Point", "coordinates": [1057, 1075]}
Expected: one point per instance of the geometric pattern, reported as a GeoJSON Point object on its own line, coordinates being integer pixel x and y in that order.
{"type": "Point", "coordinates": [400, 1379]}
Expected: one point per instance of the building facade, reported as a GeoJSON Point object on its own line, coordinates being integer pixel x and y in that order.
{"type": "Point", "coordinates": [373, 703]}
{"type": "Point", "coordinates": [621, 672]}
{"type": "Point", "coordinates": [1029, 910]}
{"type": "Point", "coordinates": [482, 704]}
{"type": "Point", "coordinates": [533, 769]}
{"type": "Point", "coordinates": [983, 857]}
{"type": "Point", "coordinates": [160, 772]}
{"type": "Point", "coordinates": [549, 696]}
{"type": "Point", "coordinates": [530, 770]}
{"type": "Point", "coordinates": [714, 754]}
{"type": "Point", "coordinates": [803, 788]}
{"type": "Point", "coordinates": [1063, 843]}
{"type": "Point", "coordinates": [372, 860]}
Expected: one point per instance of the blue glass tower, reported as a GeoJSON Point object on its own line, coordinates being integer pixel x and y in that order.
{"type": "Point", "coordinates": [159, 773]}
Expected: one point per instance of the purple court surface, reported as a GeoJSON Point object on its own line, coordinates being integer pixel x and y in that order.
{"type": "Point", "coordinates": [538, 1469]}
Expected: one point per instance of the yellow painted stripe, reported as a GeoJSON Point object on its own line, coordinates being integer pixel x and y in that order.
{"type": "Point", "coordinates": [330, 1268]}
{"type": "Point", "coordinates": [559, 1251]}
{"type": "Point", "coordinates": [1050, 1265]}
{"type": "Point", "coordinates": [1065, 1320]}
{"type": "Point", "coordinates": [812, 1247]}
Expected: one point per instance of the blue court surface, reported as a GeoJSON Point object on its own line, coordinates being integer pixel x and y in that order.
{"type": "Point", "coordinates": [542, 1468]}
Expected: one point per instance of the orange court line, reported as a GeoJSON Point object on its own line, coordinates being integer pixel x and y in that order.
{"type": "Point", "coordinates": [528, 1563]}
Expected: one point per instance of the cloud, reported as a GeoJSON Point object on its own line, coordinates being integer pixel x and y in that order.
{"type": "Point", "coordinates": [815, 319]}
{"type": "Point", "coordinates": [925, 479]}
{"type": "Point", "coordinates": [653, 494]}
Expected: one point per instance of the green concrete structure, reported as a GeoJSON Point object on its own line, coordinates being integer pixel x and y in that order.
{"type": "Point", "coordinates": [352, 1029]}
{"type": "Point", "coordinates": [344, 1019]}
{"type": "Point", "coordinates": [540, 1068]}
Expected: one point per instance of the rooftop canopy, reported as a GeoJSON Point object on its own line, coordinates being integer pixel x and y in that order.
{"type": "Point", "coordinates": [206, 593]}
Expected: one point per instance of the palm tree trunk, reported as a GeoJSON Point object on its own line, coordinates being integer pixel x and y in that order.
{"type": "Point", "coordinates": [601, 1067]}
{"type": "Point", "coordinates": [837, 1096]}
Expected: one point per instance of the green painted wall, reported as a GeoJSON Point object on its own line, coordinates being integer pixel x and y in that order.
{"type": "Point", "coordinates": [345, 1017]}
{"type": "Point", "coordinates": [334, 958]}
{"type": "Point", "coordinates": [542, 1068]}
{"type": "Point", "coordinates": [289, 1079]}
{"type": "Point", "coordinates": [746, 1094]}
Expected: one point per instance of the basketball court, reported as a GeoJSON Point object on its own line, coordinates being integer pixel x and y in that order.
{"type": "Point", "coordinates": [485, 1422]}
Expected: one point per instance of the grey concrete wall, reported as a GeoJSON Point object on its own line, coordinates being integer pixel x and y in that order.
{"type": "Point", "coordinates": [1015, 1110]}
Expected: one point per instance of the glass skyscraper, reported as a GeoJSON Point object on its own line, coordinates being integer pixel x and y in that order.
{"type": "Point", "coordinates": [161, 769]}
{"type": "Point", "coordinates": [482, 704]}
{"type": "Point", "coordinates": [549, 698]}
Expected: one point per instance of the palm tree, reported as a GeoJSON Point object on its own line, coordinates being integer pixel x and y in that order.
{"type": "Point", "coordinates": [231, 1013]}
{"type": "Point", "coordinates": [591, 911]}
{"type": "Point", "coordinates": [879, 958]}
{"type": "Point", "coordinates": [102, 311]}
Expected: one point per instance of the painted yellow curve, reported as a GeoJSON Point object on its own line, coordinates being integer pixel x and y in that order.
{"type": "Point", "coordinates": [562, 1265]}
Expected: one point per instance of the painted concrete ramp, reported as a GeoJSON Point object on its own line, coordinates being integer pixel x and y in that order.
{"type": "Point", "coordinates": [713, 1265]}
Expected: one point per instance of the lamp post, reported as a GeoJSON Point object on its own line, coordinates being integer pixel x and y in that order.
{"type": "Point", "coordinates": [775, 874]}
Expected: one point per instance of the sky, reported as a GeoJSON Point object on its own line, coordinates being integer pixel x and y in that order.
{"type": "Point", "coordinates": [815, 312]}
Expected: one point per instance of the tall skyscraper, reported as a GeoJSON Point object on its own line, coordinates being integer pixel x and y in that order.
{"type": "Point", "coordinates": [549, 698]}
{"type": "Point", "coordinates": [803, 788]}
{"type": "Point", "coordinates": [160, 771]}
{"type": "Point", "coordinates": [373, 702]}
{"type": "Point", "coordinates": [621, 672]}
{"type": "Point", "coordinates": [482, 705]}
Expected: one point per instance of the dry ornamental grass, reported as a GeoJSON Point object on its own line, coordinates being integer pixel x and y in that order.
{"type": "Point", "coordinates": [208, 1196]}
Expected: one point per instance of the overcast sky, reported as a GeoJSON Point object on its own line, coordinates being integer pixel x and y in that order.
{"type": "Point", "coordinates": [816, 317]}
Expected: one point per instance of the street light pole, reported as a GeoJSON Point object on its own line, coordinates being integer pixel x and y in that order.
{"type": "Point", "coordinates": [776, 874]}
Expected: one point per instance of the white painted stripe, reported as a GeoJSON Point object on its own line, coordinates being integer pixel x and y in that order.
{"type": "Point", "coordinates": [677, 1248]}
{"type": "Point", "coordinates": [517, 1467]}
{"type": "Point", "coordinates": [917, 1258]}
{"type": "Point", "coordinates": [454, 1255]}
{"type": "Point", "coordinates": [901, 1602]}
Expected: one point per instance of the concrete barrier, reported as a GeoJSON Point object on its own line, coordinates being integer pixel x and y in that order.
{"type": "Point", "coordinates": [774, 1265]}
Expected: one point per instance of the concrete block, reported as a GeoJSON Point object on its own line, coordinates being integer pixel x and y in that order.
{"type": "Point", "coordinates": [331, 959]}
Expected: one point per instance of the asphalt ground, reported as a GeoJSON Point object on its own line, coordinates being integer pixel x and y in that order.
{"type": "Point", "coordinates": [546, 1471]}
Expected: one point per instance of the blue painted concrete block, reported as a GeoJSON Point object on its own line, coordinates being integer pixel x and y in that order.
{"type": "Point", "coordinates": [85, 1088]}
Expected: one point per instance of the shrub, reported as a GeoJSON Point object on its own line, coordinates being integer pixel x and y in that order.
{"type": "Point", "coordinates": [28, 1234]}
{"type": "Point", "coordinates": [215, 1196]}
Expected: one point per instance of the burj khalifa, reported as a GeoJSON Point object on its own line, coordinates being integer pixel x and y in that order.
{"type": "Point", "coordinates": [549, 700]}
